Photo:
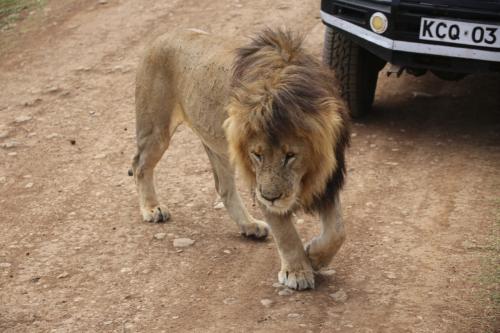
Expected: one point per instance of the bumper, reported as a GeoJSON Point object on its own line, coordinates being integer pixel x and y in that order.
{"type": "Point", "coordinates": [400, 43]}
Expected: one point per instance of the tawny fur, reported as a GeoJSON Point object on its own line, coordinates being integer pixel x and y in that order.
{"type": "Point", "coordinates": [272, 112]}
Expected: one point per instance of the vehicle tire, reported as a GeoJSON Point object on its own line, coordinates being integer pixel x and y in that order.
{"type": "Point", "coordinates": [356, 70]}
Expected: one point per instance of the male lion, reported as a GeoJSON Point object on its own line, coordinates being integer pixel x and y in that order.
{"type": "Point", "coordinates": [275, 116]}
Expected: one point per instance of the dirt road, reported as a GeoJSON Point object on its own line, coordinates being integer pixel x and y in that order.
{"type": "Point", "coordinates": [422, 201]}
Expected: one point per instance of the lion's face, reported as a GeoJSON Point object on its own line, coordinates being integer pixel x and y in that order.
{"type": "Point", "coordinates": [279, 168]}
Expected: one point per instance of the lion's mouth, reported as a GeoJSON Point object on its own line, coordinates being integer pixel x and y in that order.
{"type": "Point", "coordinates": [280, 206]}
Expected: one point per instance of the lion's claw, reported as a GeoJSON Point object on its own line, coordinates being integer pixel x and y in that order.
{"type": "Point", "coordinates": [156, 214]}
{"type": "Point", "coordinates": [299, 280]}
{"type": "Point", "coordinates": [256, 228]}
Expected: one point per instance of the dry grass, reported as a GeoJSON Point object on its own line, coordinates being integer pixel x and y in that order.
{"type": "Point", "coordinates": [13, 10]}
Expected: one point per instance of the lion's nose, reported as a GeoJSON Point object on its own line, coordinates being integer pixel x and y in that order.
{"type": "Point", "coordinates": [272, 197]}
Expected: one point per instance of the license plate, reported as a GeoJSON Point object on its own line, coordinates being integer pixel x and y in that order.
{"type": "Point", "coordinates": [458, 32]}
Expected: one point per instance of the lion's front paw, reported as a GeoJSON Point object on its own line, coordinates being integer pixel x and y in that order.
{"type": "Point", "coordinates": [255, 228]}
{"type": "Point", "coordinates": [319, 253]}
{"type": "Point", "coordinates": [156, 214]}
{"type": "Point", "coordinates": [299, 279]}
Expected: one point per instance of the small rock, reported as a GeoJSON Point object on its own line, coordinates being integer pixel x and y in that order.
{"type": "Point", "coordinates": [52, 135]}
{"type": "Point", "coordinates": [4, 134]}
{"type": "Point", "coordinates": [278, 285]}
{"type": "Point", "coordinates": [328, 272]}
{"type": "Point", "coordinates": [285, 292]}
{"type": "Point", "coordinates": [353, 135]}
{"type": "Point", "coordinates": [183, 242]}
{"type": "Point", "coordinates": [373, 145]}
{"type": "Point", "coordinates": [293, 315]}
{"type": "Point", "coordinates": [370, 204]}
{"type": "Point", "coordinates": [13, 153]}
{"type": "Point", "coordinates": [125, 270]}
{"type": "Point", "coordinates": [83, 69]}
{"type": "Point", "coordinates": [266, 302]}
{"type": "Point", "coordinates": [99, 156]}
{"type": "Point", "coordinates": [3, 179]}
{"type": "Point", "coordinates": [9, 144]}
{"type": "Point", "coordinates": [102, 2]}
{"type": "Point", "coordinates": [73, 142]}
{"type": "Point", "coordinates": [229, 301]}
{"type": "Point", "coordinates": [219, 205]}
{"type": "Point", "coordinates": [29, 185]}
{"type": "Point", "coordinates": [33, 102]}
{"type": "Point", "coordinates": [160, 235]}
{"type": "Point", "coordinates": [227, 252]}
{"type": "Point", "coordinates": [22, 119]}
{"type": "Point", "coordinates": [63, 275]}
{"type": "Point", "coordinates": [5, 265]}
{"type": "Point", "coordinates": [392, 163]}
{"type": "Point", "coordinates": [339, 296]}
{"type": "Point", "coordinates": [175, 317]}
{"type": "Point", "coordinates": [53, 89]}
{"type": "Point", "coordinates": [390, 275]}
{"type": "Point", "coordinates": [198, 31]}
{"type": "Point", "coordinates": [300, 221]}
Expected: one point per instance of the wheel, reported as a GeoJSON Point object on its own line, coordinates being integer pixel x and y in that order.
{"type": "Point", "coordinates": [356, 70]}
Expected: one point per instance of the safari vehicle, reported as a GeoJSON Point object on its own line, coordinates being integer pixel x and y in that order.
{"type": "Point", "coordinates": [451, 38]}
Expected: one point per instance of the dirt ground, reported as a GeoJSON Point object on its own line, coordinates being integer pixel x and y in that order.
{"type": "Point", "coordinates": [421, 205]}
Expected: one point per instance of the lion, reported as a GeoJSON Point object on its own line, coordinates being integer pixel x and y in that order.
{"type": "Point", "coordinates": [267, 110]}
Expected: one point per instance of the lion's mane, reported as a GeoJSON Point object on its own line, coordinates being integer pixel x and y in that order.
{"type": "Point", "coordinates": [279, 90]}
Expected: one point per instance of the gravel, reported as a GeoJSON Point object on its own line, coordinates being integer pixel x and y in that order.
{"type": "Point", "coordinates": [266, 302]}
{"type": "Point", "coordinates": [160, 235]}
{"type": "Point", "coordinates": [339, 296]}
{"type": "Point", "coordinates": [183, 242]}
{"type": "Point", "coordinates": [285, 292]}
{"type": "Point", "coordinates": [22, 119]}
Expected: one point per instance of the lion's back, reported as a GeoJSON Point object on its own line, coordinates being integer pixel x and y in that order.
{"type": "Point", "coordinates": [196, 68]}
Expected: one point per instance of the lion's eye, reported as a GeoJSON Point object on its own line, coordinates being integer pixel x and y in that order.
{"type": "Point", "coordinates": [256, 157]}
{"type": "Point", "coordinates": [289, 158]}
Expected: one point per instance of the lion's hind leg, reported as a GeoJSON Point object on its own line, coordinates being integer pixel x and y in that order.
{"type": "Point", "coordinates": [150, 151]}
{"type": "Point", "coordinates": [226, 187]}
{"type": "Point", "coordinates": [157, 117]}
{"type": "Point", "coordinates": [323, 248]}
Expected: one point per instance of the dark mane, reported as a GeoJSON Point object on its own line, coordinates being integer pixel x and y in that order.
{"type": "Point", "coordinates": [280, 89]}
